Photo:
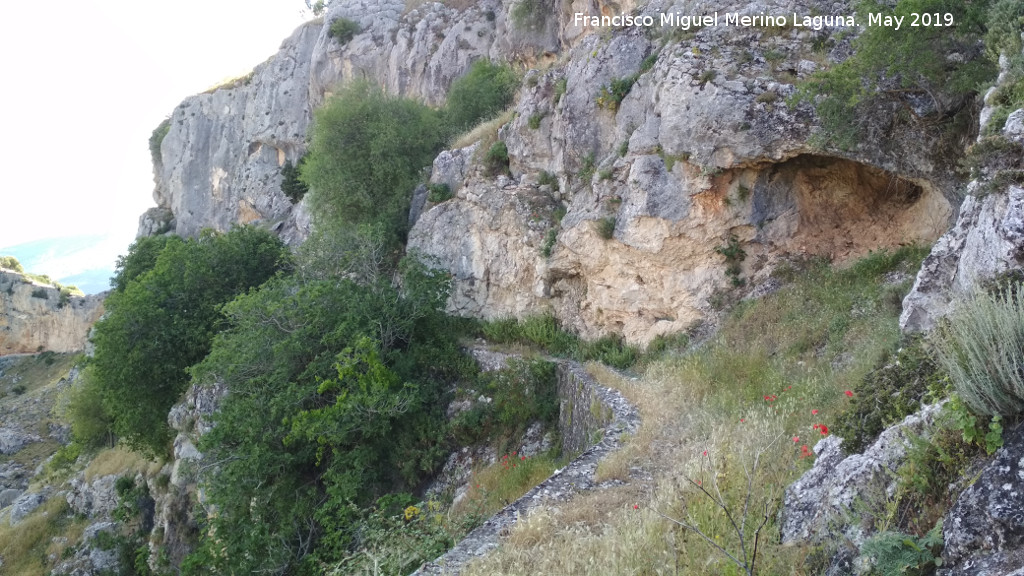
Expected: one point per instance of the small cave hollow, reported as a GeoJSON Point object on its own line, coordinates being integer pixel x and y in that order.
{"type": "Point", "coordinates": [841, 209]}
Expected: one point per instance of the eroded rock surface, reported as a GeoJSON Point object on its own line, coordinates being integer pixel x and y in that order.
{"type": "Point", "coordinates": [699, 156]}
{"type": "Point", "coordinates": [34, 317]}
{"type": "Point", "coordinates": [814, 506]}
{"type": "Point", "coordinates": [984, 530]}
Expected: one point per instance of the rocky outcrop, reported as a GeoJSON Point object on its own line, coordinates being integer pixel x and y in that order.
{"type": "Point", "coordinates": [700, 151]}
{"type": "Point", "coordinates": [699, 169]}
{"type": "Point", "coordinates": [220, 160]}
{"type": "Point", "coordinates": [94, 555]}
{"type": "Point", "coordinates": [817, 505]}
{"type": "Point", "coordinates": [175, 490]}
{"type": "Point", "coordinates": [35, 317]}
{"type": "Point", "coordinates": [984, 530]}
{"type": "Point", "coordinates": [96, 497]}
{"type": "Point", "coordinates": [986, 242]}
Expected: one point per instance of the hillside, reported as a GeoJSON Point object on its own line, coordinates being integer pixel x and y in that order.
{"type": "Point", "coordinates": [481, 288]}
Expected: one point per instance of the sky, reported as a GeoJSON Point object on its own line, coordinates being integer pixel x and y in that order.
{"type": "Point", "coordinates": [84, 84]}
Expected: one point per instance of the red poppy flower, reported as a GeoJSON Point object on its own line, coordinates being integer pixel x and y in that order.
{"type": "Point", "coordinates": [636, 506]}
{"type": "Point", "coordinates": [814, 412]}
{"type": "Point", "coordinates": [796, 439]}
{"type": "Point", "coordinates": [824, 430]}
{"type": "Point", "coordinates": [849, 393]}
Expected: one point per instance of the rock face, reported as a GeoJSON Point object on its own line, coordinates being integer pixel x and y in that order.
{"type": "Point", "coordinates": [34, 317]}
{"type": "Point", "coordinates": [701, 155]}
{"type": "Point", "coordinates": [984, 530]}
{"type": "Point", "coordinates": [175, 500]}
{"type": "Point", "coordinates": [220, 161]}
{"type": "Point", "coordinates": [698, 157]}
{"type": "Point", "coordinates": [816, 503]}
{"type": "Point", "coordinates": [987, 240]}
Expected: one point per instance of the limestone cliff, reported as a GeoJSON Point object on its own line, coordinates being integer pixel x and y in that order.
{"type": "Point", "coordinates": [701, 167]}
{"type": "Point", "coordinates": [701, 177]}
{"type": "Point", "coordinates": [220, 161]}
{"type": "Point", "coordinates": [36, 317]}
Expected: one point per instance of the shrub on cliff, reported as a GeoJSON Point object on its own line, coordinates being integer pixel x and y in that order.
{"type": "Point", "coordinates": [483, 92]}
{"type": "Point", "coordinates": [163, 321]}
{"type": "Point", "coordinates": [11, 263]}
{"type": "Point", "coordinates": [912, 67]}
{"type": "Point", "coordinates": [335, 396]}
{"type": "Point", "coordinates": [981, 346]}
{"type": "Point", "coordinates": [366, 155]}
{"type": "Point", "coordinates": [156, 139]}
{"type": "Point", "coordinates": [343, 30]}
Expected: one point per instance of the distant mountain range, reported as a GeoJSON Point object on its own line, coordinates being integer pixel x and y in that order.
{"type": "Point", "coordinates": [84, 261]}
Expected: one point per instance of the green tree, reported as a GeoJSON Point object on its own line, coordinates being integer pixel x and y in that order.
{"type": "Point", "coordinates": [11, 263]}
{"type": "Point", "coordinates": [163, 321]}
{"type": "Point", "coordinates": [141, 258]}
{"type": "Point", "coordinates": [367, 153]}
{"type": "Point", "coordinates": [335, 396]}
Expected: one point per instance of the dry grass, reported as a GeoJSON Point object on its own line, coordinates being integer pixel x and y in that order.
{"type": "Point", "coordinates": [25, 547]}
{"type": "Point", "coordinates": [486, 132]}
{"type": "Point", "coordinates": [120, 461]}
{"type": "Point", "coordinates": [494, 487]}
{"type": "Point", "coordinates": [35, 372]}
{"type": "Point", "coordinates": [708, 416]}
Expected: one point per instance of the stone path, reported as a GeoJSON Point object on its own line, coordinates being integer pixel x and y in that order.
{"type": "Point", "coordinates": [563, 485]}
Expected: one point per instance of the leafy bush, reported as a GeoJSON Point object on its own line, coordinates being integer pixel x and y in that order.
{"type": "Point", "coordinates": [587, 168]}
{"type": "Point", "coordinates": [560, 87]}
{"type": "Point", "coordinates": [895, 553]}
{"type": "Point", "coordinates": [163, 321]}
{"type": "Point", "coordinates": [366, 155]}
{"type": "Point", "coordinates": [534, 121]}
{"type": "Point", "coordinates": [523, 392]}
{"type": "Point", "coordinates": [11, 263]}
{"type": "Point", "coordinates": [612, 94]}
{"type": "Point", "coordinates": [156, 139]}
{"type": "Point", "coordinates": [546, 178]}
{"type": "Point", "coordinates": [91, 425]}
{"type": "Point", "coordinates": [496, 159]}
{"type": "Point", "coordinates": [529, 14]}
{"type": "Point", "coordinates": [291, 184]}
{"type": "Point", "coordinates": [397, 535]}
{"type": "Point", "coordinates": [343, 30]}
{"type": "Point", "coordinates": [141, 258]}
{"type": "Point", "coordinates": [734, 257]}
{"type": "Point", "coordinates": [902, 65]}
{"type": "Point", "coordinates": [606, 227]}
{"type": "Point", "coordinates": [981, 347]}
{"type": "Point", "coordinates": [888, 394]}
{"type": "Point", "coordinates": [482, 93]}
{"type": "Point", "coordinates": [438, 193]}
{"type": "Point", "coordinates": [549, 242]}
{"type": "Point", "coordinates": [41, 293]}
{"type": "Point", "coordinates": [336, 396]}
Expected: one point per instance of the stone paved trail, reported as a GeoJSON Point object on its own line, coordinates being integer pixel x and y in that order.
{"type": "Point", "coordinates": [562, 486]}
